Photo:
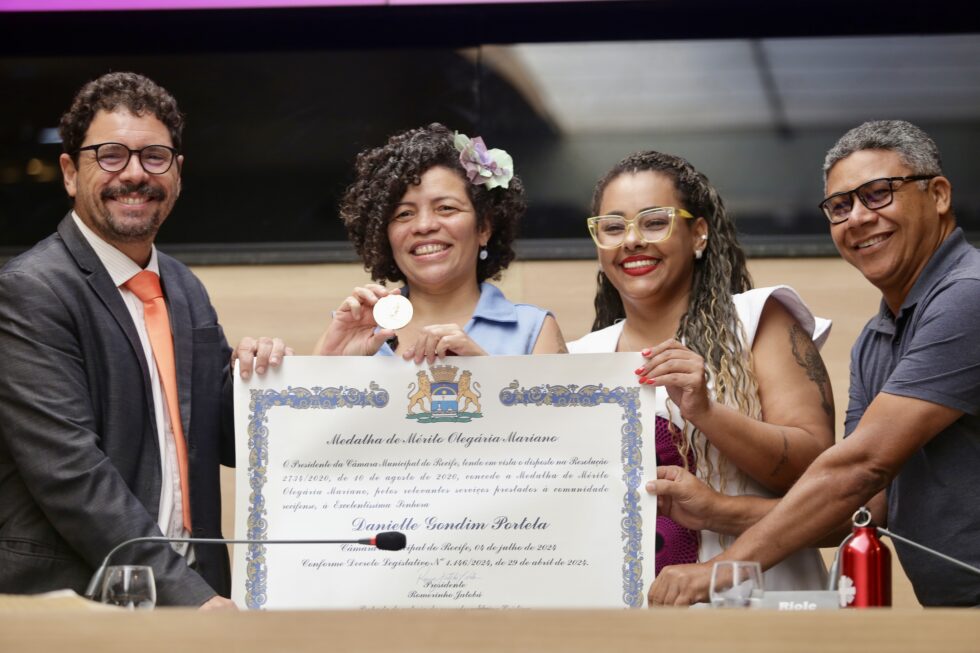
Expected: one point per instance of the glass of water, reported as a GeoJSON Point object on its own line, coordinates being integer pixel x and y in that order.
{"type": "Point", "coordinates": [734, 583]}
{"type": "Point", "coordinates": [130, 586]}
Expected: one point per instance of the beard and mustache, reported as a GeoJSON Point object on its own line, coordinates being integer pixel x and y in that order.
{"type": "Point", "coordinates": [117, 227]}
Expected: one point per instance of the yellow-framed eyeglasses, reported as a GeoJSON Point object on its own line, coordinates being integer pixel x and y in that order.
{"type": "Point", "coordinates": [652, 226]}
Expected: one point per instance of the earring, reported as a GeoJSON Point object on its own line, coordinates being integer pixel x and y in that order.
{"type": "Point", "coordinates": [698, 254]}
{"type": "Point", "coordinates": [484, 253]}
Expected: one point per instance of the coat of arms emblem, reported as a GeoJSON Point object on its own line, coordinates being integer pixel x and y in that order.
{"type": "Point", "coordinates": [444, 397]}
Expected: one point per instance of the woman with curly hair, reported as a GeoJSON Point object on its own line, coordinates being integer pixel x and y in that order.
{"type": "Point", "coordinates": [438, 212]}
{"type": "Point", "coordinates": [745, 403]}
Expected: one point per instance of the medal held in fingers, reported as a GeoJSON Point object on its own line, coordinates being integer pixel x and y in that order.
{"type": "Point", "coordinates": [393, 312]}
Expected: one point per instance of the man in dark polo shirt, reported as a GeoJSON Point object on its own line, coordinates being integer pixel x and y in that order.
{"type": "Point", "coordinates": [912, 451]}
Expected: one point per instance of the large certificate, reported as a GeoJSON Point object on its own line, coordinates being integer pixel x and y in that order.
{"type": "Point", "coordinates": [517, 480]}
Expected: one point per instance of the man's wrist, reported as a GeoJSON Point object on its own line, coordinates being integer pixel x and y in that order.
{"type": "Point", "coordinates": [733, 515]}
{"type": "Point", "coordinates": [718, 517]}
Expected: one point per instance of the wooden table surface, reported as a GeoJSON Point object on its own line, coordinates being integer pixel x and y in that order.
{"type": "Point", "coordinates": [475, 631]}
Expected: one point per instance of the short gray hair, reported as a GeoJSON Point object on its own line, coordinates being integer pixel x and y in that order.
{"type": "Point", "coordinates": [917, 150]}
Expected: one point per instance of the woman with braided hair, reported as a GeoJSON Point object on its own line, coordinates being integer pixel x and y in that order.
{"type": "Point", "coordinates": [439, 212]}
{"type": "Point", "coordinates": [743, 399]}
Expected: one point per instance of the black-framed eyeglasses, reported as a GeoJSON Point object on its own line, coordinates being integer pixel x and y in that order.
{"type": "Point", "coordinates": [874, 194]}
{"type": "Point", "coordinates": [113, 157]}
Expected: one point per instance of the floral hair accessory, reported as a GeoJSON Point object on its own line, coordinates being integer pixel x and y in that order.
{"type": "Point", "coordinates": [491, 168]}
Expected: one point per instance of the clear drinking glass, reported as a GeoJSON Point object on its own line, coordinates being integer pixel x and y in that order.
{"type": "Point", "coordinates": [130, 586]}
{"type": "Point", "coordinates": [734, 583]}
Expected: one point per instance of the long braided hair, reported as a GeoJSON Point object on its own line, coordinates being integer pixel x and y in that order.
{"type": "Point", "coordinates": [710, 327]}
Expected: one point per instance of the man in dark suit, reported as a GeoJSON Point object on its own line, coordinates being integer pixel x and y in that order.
{"type": "Point", "coordinates": [89, 454]}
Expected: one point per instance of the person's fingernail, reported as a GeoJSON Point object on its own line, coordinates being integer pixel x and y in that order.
{"type": "Point", "coordinates": [638, 371]}
{"type": "Point", "coordinates": [651, 488]}
{"type": "Point", "coordinates": [245, 375]}
{"type": "Point", "coordinates": [646, 352]}
{"type": "Point", "coordinates": [650, 381]}
{"type": "Point", "coordinates": [260, 370]}
{"type": "Point", "coordinates": [643, 379]}
{"type": "Point", "coordinates": [273, 360]}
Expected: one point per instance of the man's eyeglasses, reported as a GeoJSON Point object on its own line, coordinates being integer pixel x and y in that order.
{"type": "Point", "coordinates": [874, 194]}
{"type": "Point", "coordinates": [113, 157]}
{"type": "Point", "coordinates": [652, 225]}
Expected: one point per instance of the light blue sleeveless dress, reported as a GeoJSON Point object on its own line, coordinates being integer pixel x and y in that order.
{"type": "Point", "coordinates": [499, 326]}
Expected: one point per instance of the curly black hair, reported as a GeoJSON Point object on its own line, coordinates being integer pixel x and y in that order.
{"type": "Point", "coordinates": [136, 93]}
{"type": "Point", "coordinates": [383, 175]}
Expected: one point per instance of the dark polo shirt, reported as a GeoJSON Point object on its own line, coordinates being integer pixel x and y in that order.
{"type": "Point", "coordinates": [931, 351]}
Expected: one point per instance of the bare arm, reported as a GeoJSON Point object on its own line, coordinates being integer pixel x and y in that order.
{"type": "Point", "coordinates": [797, 421]}
{"type": "Point", "coordinates": [693, 504]}
{"type": "Point", "coordinates": [846, 477]}
{"type": "Point", "coordinates": [550, 340]}
{"type": "Point", "coordinates": [842, 479]}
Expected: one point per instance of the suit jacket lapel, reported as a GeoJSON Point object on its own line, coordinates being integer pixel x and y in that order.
{"type": "Point", "coordinates": [180, 325]}
{"type": "Point", "coordinates": [101, 283]}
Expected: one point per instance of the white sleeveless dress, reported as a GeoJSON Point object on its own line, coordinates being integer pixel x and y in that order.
{"type": "Point", "coordinates": [804, 570]}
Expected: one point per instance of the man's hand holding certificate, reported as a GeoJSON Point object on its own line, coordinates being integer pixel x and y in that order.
{"type": "Point", "coordinates": [517, 481]}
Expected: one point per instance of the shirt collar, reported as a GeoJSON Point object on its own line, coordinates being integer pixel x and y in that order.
{"type": "Point", "coordinates": [944, 259]}
{"type": "Point", "coordinates": [884, 322]}
{"type": "Point", "coordinates": [492, 305]}
{"type": "Point", "coordinates": [120, 267]}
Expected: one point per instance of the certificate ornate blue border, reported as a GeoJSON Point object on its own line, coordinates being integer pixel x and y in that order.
{"type": "Point", "coordinates": [631, 449]}
{"type": "Point", "coordinates": [258, 459]}
{"type": "Point", "coordinates": [512, 395]}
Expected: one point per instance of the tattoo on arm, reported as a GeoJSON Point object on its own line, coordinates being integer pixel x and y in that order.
{"type": "Point", "coordinates": [807, 357]}
{"type": "Point", "coordinates": [783, 458]}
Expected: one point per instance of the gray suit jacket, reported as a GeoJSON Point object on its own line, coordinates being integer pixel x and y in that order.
{"type": "Point", "coordinates": [79, 454]}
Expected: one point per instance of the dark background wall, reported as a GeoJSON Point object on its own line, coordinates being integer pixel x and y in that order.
{"type": "Point", "coordinates": [280, 101]}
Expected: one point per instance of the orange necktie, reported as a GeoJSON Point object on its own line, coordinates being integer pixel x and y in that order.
{"type": "Point", "coordinates": [146, 286]}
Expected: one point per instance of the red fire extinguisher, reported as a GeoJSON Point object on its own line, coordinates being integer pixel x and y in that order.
{"type": "Point", "coordinates": [865, 565]}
